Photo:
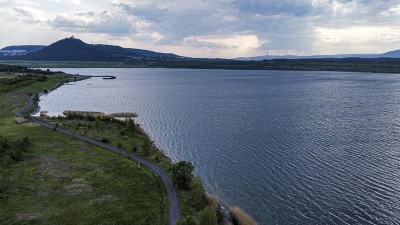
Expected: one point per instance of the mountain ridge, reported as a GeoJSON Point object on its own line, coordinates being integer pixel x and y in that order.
{"type": "Point", "coordinates": [391, 54]}
{"type": "Point", "coordinates": [73, 49]}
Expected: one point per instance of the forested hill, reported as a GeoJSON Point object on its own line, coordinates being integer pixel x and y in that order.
{"type": "Point", "coordinates": [72, 49]}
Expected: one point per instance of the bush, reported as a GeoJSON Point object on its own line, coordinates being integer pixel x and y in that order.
{"type": "Point", "coordinates": [197, 192]}
{"type": "Point", "coordinates": [208, 216]}
{"type": "Point", "coordinates": [187, 221]}
{"type": "Point", "coordinates": [147, 146]}
{"type": "Point", "coordinates": [105, 140]}
{"type": "Point", "coordinates": [42, 78]}
{"type": "Point", "coordinates": [16, 155]}
{"type": "Point", "coordinates": [182, 174]}
{"type": "Point", "coordinates": [239, 217]}
{"type": "Point", "coordinates": [13, 150]}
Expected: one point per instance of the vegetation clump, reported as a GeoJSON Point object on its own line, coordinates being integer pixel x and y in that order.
{"type": "Point", "coordinates": [182, 174]}
{"type": "Point", "coordinates": [12, 82]}
{"type": "Point", "coordinates": [13, 150]}
{"type": "Point", "coordinates": [208, 216]}
{"type": "Point", "coordinates": [240, 217]}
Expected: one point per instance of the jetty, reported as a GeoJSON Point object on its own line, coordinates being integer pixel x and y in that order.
{"type": "Point", "coordinates": [106, 77]}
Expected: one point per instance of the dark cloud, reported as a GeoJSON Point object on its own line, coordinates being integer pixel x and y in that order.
{"type": "Point", "coordinates": [275, 7]}
{"type": "Point", "coordinates": [278, 24]}
{"type": "Point", "coordinates": [147, 11]}
{"type": "Point", "coordinates": [105, 22]}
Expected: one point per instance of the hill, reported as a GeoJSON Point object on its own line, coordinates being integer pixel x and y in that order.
{"type": "Point", "coordinates": [338, 56]}
{"type": "Point", "coordinates": [152, 54]}
{"type": "Point", "coordinates": [72, 49]}
{"type": "Point", "coordinates": [392, 54]}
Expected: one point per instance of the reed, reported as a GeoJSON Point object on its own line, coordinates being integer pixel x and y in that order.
{"type": "Point", "coordinates": [95, 115]}
{"type": "Point", "coordinates": [212, 200]}
{"type": "Point", "coordinates": [43, 113]}
{"type": "Point", "coordinates": [240, 217]}
{"type": "Point", "coordinates": [124, 114]}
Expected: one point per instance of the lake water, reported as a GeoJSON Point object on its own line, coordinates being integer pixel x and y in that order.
{"type": "Point", "coordinates": [288, 147]}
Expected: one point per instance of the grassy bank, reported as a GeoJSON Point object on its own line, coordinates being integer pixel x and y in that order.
{"type": "Point", "coordinates": [125, 134]}
{"type": "Point", "coordinates": [49, 178]}
{"type": "Point", "coordinates": [61, 180]}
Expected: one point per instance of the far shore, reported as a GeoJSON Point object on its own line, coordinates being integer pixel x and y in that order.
{"type": "Point", "coordinates": [374, 65]}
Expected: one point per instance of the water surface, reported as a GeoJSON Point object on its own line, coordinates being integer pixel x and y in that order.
{"type": "Point", "coordinates": [288, 147]}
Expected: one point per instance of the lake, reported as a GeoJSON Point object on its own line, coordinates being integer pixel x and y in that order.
{"type": "Point", "coordinates": [288, 147]}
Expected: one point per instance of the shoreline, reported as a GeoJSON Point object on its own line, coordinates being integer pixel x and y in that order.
{"type": "Point", "coordinates": [174, 209]}
{"type": "Point", "coordinates": [225, 208]}
{"type": "Point", "coordinates": [350, 65]}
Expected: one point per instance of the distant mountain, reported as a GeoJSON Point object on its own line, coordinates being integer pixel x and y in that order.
{"type": "Point", "coordinates": [117, 51]}
{"type": "Point", "coordinates": [27, 48]}
{"type": "Point", "coordinates": [72, 49]}
{"type": "Point", "coordinates": [152, 54]}
{"type": "Point", "coordinates": [392, 54]}
{"type": "Point", "coordinates": [339, 56]}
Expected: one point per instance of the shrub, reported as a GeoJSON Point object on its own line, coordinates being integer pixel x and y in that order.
{"type": "Point", "coordinates": [240, 217]}
{"type": "Point", "coordinates": [182, 174]}
{"type": "Point", "coordinates": [105, 140]}
{"type": "Point", "coordinates": [147, 146]}
{"type": "Point", "coordinates": [208, 216]}
{"type": "Point", "coordinates": [16, 155]}
{"type": "Point", "coordinates": [212, 200]}
{"type": "Point", "coordinates": [196, 197]}
{"type": "Point", "coordinates": [42, 78]}
{"type": "Point", "coordinates": [187, 221]}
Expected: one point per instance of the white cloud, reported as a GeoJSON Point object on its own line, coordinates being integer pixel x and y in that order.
{"type": "Point", "coordinates": [226, 28]}
{"type": "Point", "coordinates": [365, 39]}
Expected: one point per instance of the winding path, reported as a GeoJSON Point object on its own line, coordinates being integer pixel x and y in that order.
{"type": "Point", "coordinates": [173, 203]}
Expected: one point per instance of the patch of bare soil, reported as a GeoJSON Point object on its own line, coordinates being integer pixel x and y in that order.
{"type": "Point", "coordinates": [103, 198]}
{"type": "Point", "coordinates": [17, 98]}
{"type": "Point", "coordinates": [27, 216]}
{"type": "Point", "coordinates": [53, 167]}
{"type": "Point", "coordinates": [78, 186]}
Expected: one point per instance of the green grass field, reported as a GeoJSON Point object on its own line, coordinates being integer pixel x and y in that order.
{"type": "Point", "coordinates": [62, 180]}
{"type": "Point", "coordinates": [118, 136]}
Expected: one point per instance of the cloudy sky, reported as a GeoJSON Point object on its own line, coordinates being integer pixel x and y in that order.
{"type": "Point", "coordinates": [209, 28]}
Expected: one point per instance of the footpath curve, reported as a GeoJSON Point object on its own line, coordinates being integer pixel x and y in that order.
{"type": "Point", "coordinates": [173, 203]}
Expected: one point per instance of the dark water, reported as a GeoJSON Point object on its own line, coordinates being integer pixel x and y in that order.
{"type": "Point", "coordinates": [288, 147]}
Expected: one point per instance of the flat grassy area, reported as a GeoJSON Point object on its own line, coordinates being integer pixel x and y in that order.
{"type": "Point", "coordinates": [62, 180]}
{"type": "Point", "coordinates": [117, 134]}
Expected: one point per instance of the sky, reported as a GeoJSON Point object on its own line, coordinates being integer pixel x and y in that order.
{"type": "Point", "coordinates": [209, 28]}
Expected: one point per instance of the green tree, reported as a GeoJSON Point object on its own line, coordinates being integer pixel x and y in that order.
{"type": "Point", "coordinates": [130, 125]}
{"type": "Point", "coordinates": [97, 125]}
{"type": "Point", "coordinates": [182, 174]}
{"type": "Point", "coordinates": [208, 216]}
{"type": "Point", "coordinates": [147, 146]}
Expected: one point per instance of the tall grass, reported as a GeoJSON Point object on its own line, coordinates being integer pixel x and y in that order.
{"type": "Point", "coordinates": [240, 217]}
{"type": "Point", "coordinates": [91, 116]}
{"type": "Point", "coordinates": [212, 200]}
